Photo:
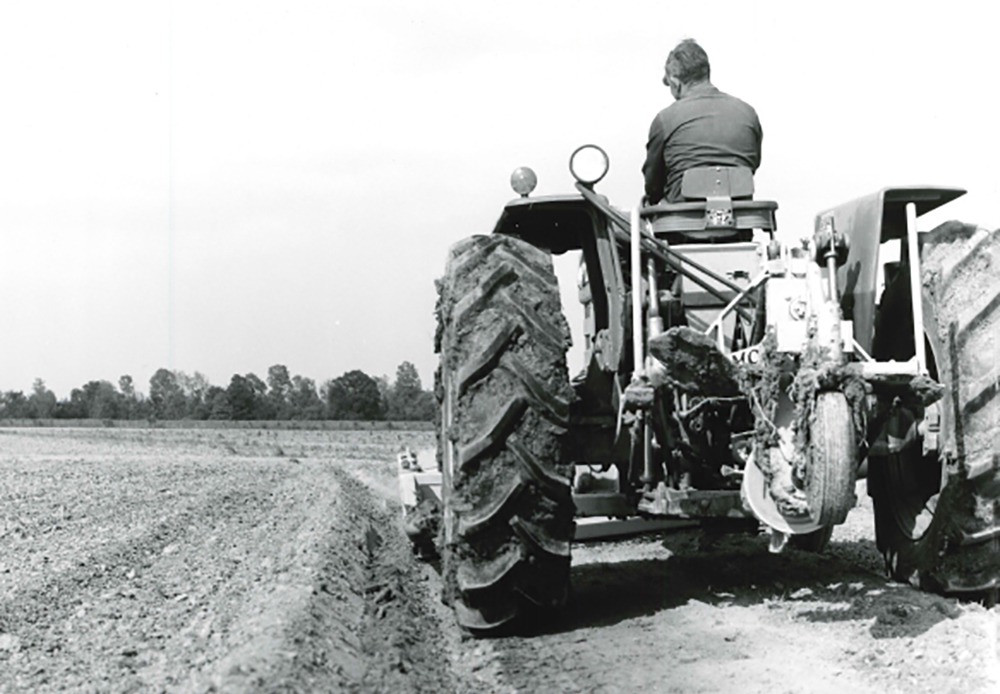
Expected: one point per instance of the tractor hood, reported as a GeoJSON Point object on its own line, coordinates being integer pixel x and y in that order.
{"type": "Point", "coordinates": [552, 222]}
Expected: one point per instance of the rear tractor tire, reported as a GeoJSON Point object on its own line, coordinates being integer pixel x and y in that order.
{"type": "Point", "coordinates": [939, 529]}
{"type": "Point", "coordinates": [504, 397]}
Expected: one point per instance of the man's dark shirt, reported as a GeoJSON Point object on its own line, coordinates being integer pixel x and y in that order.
{"type": "Point", "coordinates": [704, 128]}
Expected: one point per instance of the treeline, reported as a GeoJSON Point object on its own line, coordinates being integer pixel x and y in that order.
{"type": "Point", "coordinates": [177, 395]}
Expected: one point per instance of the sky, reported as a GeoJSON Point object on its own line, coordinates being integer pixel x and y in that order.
{"type": "Point", "coordinates": [223, 186]}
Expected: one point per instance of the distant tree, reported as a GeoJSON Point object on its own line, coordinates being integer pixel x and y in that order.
{"type": "Point", "coordinates": [142, 408]}
{"type": "Point", "coordinates": [193, 388]}
{"type": "Point", "coordinates": [42, 401]}
{"type": "Point", "coordinates": [259, 387]}
{"type": "Point", "coordinates": [404, 391]}
{"type": "Point", "coordinates": [129, 400]}
{"type": "Point", "coordinates": [407, 400]}
{"type": "Point", "coordinates": [262, 406]}
{"type": "Point", "coordinates": [354, 396]}
{"type": "Point", "coordinates": [13, 405]}
{"type": "Point", "coordinates": [242, 398]}
{"type": "Point", "coordinates": [217, 403]}
{"type": "Point", "coordinates": [74, 407]}
{"type": "Point", "coordinates": [385, 391]}
{"type": "Point", "coordinates": [279, 381]}
{"type": "Point", "coordinates": [166, 396]}
{"type": "Point", "coordinates": [279, 384]}
{"type": "Point", "coordinates": [101, 400]}
{"type": "Point", "coordinates": [425, 408]}
{"type": "Point", "coordinates": [303, 400]}
{"type": "Point", "coordinates": [126, 386]}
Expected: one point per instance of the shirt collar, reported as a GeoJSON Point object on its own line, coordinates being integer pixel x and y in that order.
{"type": "Point", "coordinates": [701, 89]}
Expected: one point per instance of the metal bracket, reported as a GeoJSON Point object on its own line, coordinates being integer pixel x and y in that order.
{"type": "Point", "coordinates": [719, 213]}
{"type": "Point", "coordinates": [664, 501]}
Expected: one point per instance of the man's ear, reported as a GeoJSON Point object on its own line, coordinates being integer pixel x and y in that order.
{"type": "Point", "coordinates": [675, 86]}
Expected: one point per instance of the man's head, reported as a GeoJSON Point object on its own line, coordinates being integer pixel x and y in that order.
{"type": "Point", "coordinates": [686, 65]}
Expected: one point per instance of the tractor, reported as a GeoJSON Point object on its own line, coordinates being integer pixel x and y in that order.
{"type": "Point", "coordinates": [730, 378]}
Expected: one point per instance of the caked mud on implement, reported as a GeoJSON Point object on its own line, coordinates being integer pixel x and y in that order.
{"type": "Point", "coordinates": [729, 376]}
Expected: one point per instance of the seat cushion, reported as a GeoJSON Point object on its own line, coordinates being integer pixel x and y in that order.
{"type": "Point", "coordinates": [691, 216]}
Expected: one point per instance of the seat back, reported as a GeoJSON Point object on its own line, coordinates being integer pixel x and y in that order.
{"type": "Point", "coordinates": [720, 208]}
{"type": "Point", "coordinates": [707, 182]}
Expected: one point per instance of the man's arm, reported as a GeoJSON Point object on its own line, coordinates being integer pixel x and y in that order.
{"type": "Point", "coordinates": [760, 141]}
{"type": "Point", "coordinates": [655, 169]}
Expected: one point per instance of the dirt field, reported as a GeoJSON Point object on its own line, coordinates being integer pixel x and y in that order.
{"type": "Point", "coordinates": [231, 561]}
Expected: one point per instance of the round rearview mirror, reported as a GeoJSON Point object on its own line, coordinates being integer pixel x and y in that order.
{"type": "Point", "coordinates": [589, 164]}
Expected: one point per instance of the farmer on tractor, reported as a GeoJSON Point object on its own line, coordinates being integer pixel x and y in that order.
{"type": "Point", "coordinates": [703, 127]}
{"type": "Point", "coordinates": [730, 376]}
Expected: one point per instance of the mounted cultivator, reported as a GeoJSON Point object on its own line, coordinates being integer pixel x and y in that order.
{"type": "Point", "coordinates": [728, 376]}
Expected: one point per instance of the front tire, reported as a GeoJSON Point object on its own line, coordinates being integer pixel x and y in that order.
{"type": "Point", "coordinates": [814, 542]}
{"type": "Point", "coordinates": [832, 469]}
{"type": "Point", "coordinates": [504, 393]}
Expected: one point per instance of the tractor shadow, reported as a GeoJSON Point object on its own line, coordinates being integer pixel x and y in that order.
{"type": "Point", "coordinates": [842, 584]}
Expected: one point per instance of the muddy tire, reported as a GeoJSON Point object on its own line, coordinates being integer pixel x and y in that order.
{"type": "Point", "coordinates": [504, 396]}
{"type": "Point", "coordinates": [832, 472]}
{"type": "Point", "coordinates": [936, 516]}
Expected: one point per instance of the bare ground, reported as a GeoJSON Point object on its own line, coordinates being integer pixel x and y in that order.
{"type": "Point", "coordinates": [229, 560]}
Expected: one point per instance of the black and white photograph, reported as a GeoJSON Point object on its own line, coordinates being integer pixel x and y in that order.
{"type": "Point", "coordinates": [499, 348]}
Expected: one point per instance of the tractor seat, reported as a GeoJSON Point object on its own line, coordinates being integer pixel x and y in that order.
{"type": "Point", "coordinates": [721, 208]}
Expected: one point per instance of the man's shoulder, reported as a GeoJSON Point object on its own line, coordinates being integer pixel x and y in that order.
{"type": "Point", "coordinates": [665, 118]}
{"type": "Point", "coordinates": [674, 112]}
{"type": "Point", "coordinates": [739, 103]}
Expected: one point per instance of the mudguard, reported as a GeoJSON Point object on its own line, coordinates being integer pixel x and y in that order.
{"type": "Point", "coordinates": [868, 222]}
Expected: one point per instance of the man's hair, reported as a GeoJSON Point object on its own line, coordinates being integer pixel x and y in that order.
{"type": "Point", "coordinates": [688, 62]}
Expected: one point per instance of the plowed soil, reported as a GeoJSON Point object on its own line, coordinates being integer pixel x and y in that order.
{"type": "Point", "coordinates": [236, 560]}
